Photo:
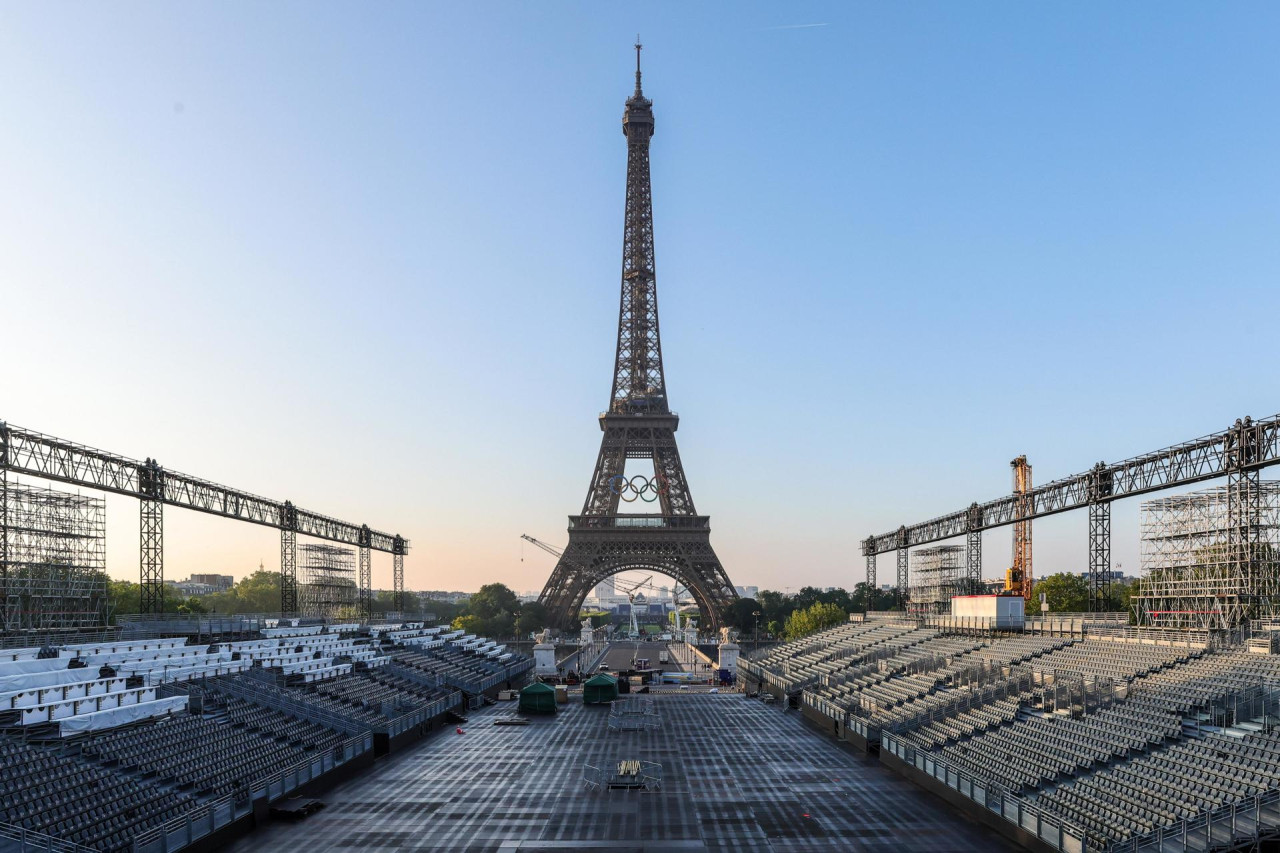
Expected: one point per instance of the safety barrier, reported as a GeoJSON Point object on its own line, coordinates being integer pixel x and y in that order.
{"type": "Point", "coordinates": [19, 840]}
{"type": "Point", "coordinates": [210, 817]}
{"type": "Point", "coordinates": [1232, 826]}
{"type": "Point", "coordinates": [1058, 834]}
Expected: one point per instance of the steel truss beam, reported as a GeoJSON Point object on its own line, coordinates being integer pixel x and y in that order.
{"type": "Point", "coordinates": [366, 586]}
{"type": "Point", "coordinates": [973, 550]}
{"type": "Point", "coordinates": [151, 550]}
{"type": "Point", "coordinates": [27, 452]}
{"type": "Point", "coordinates": [398, 547]}
{"type": "Point", "coordinates": [904, 567]}
{"type": "Point", "coordinates": [288, 571]}
{"type": "Point", "coordinates": [871, 576]}
{"type": "Point", "coordinates": [1100, 557]}
{"type": "Point", "coordinates": [1255, 443]}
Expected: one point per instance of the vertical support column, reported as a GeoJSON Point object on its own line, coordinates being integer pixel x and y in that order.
{"type": "Point", "coordinates": [973, 549]}
{"type": "Point", "coordinates": [398, 547]}
{"type": "Point", "coordinates": [366, 577]}
{"type": "Point", "coordinates": [903, 568]}
{"type": "Point", "coordinates": [869, 551]}
{"type": "Point", "coordinates": [1099, 557]}
{"type": "Point", "coordinates": [151, 537]}
{"type": "Point", "coordinates": [4, 528]}
{"type": "Point", "coordinates": [1244, 513]}
{"type": "Point", "coordinates": [288, 560]}
{"type": "Point", "coordinates": [1100, 483]}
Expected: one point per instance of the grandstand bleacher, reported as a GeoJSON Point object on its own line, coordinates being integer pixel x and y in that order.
{"type": "Point", "coordinates": [1116, 743]}
{"type": "Point", "coordinates": [151, 744]}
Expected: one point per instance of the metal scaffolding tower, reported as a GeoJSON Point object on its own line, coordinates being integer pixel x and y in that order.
{"type": "Point", "coordinates": [52, 560]}
{"type": "Point", "coordinates": [329, 581]}
{"type": "Point", "coordinates": [1211, 558]}
{"type": "Point", "coordinates": [940, 573]}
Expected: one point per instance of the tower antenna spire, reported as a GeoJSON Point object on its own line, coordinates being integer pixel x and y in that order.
{"type": "Point", "coordinates": [639, 47]}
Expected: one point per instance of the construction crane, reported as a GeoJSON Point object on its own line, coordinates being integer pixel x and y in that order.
{"type": "Point", "coordinates": [550, 549]}
{"type": "Point", "coordinates": [630, 592]}
{"type": "Point", "coordinates": [1018, 579]}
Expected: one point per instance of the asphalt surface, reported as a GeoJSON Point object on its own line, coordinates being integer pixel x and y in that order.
{"type": "Point", "coordinates": [620, 654]}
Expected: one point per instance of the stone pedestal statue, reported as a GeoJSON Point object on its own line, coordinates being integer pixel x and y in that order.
{"type": "Point", "coordinates": [729, 650]}
{"type": "Point", "coordinates": [544, 655]}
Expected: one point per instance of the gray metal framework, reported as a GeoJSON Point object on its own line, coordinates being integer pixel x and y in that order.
{"type": "Point", "coordinates": [398, 548]}
{"type": "Point", "coordinates": [54, 556]}
{"type": "Point", "coordinates": [1211, 559]}
{"type": "Point", "coordinates": [941, 572]}
{"type": "Point", "coordinates": [329, 586]}
{"type": "Point", "coordinates": [973, 550]}
{"type": "Point", "coordinates": [288, 570]}
{"type": "Point", "coordinates": [639, 424]}
{"type": "Point", "coordinates": [1243, 449]}
{"type": "Point", "coordinates": [28, 452]}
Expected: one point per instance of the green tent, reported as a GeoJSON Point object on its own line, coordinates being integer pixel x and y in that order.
{"type": "Point", "coordinates": [599, 689]}
{"type": "Point", "coordinates": [538, 698]}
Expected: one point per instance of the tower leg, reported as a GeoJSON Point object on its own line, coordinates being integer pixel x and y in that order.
{"type": "Point", "coordinates": [366, 585]}
{"type": "Point", "coordinates": [1099, 557]}
{"type": "Point", "coordinates": [903, 577]}
{"type": "Point", "coordinates": [871, 581]}
{"type": "Point", "coordinates": [398, 582]}
{"type": "Point", "coordinates": [151, 547]}
{"type": "Point", "coordinates": [288, 572]}
{"type": "Point", "coordinates": [973, 560]}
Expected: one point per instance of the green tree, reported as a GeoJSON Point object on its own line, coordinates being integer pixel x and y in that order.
{"type": "Point", "coordinates": [255, 593]}
{"type": "Point", "coordinates": [495, 607]}
{"type": "Point", "coordinates": [533, 618]}
{"type": "Point", "coordinates": [817, 617]}
{"type": "Point", "coordinates": [741, 615]}
{"type": "Point", "coordinates": [1065, 593]}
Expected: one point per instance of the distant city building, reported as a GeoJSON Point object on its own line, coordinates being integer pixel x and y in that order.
{"type": "Point", "coordinates": [748, 591]}
{"type": "Point", "coordinates": [604, 590]}
{"type": "Point", "coordinates": [1113, 576]}
{"type": "Point", "coordinates": [220, 583]}
{"type": "Point", "coordinates": [203, 584]}
{"type": "Point", "coordinates": [450, 597]}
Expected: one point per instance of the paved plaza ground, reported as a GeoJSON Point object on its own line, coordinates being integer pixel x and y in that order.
{"type": "Point", "coordinates": [739, 775]}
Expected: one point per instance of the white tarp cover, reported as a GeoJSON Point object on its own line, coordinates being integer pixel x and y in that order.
{"type": "Point", "coordinates": [21, 667]}
{"type": "Point", "coordinates": [121, 646]}
{"type": "Point", "coordinates": [44, 695]}
{"type": "Point", "coordinates": [51, 678]}
{"type": "Point", "coordinates": [19, 654]}
{"type": "Point", "coordinates": [113, 717]}
{"type": "Point", "coordinates": [291, 632]}
{"type": "Point", "coordinates": [187, 674]}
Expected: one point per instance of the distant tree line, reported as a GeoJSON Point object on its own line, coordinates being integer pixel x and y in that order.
{"type": "Point", "coordinates": [496, 611]}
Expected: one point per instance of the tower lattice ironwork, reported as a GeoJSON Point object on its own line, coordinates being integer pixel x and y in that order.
{"type": "Point", "coordinates": [639, 424]}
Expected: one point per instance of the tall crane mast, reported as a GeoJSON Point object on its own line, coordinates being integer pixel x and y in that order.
{"type": "Point", "coordinates": [1018, 579]}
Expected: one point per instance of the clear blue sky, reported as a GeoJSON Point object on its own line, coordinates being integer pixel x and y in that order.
{"type": "Point", "coordinates": [366, 257]}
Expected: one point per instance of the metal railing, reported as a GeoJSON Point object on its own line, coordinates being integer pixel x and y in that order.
{"type": "Point", "coordinates": [18, 840]}
{"type": "Point", "coordinates": [1049, 828]}
{"type": "Point", "coordinates": [1232, 826]}
{"type": "Point", "coordinates": [213, 816]}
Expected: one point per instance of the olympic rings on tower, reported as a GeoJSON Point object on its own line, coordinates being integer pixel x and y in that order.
{"type": "Point", "coordinates": [645, 488]}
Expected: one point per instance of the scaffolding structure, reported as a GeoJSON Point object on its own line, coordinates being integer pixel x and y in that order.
{"type": "Point", "coordinates": [940, 573]}
{"type": "Point", "coordinates": [328, 586]}
{"type": "Point", "coordinates": [53, 560]}
{"type": "Point", "coordinates": [1211, 558]}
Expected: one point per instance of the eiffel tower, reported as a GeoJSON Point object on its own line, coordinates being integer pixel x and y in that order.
{"type": "Point", "coordinates": [638, 425]}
